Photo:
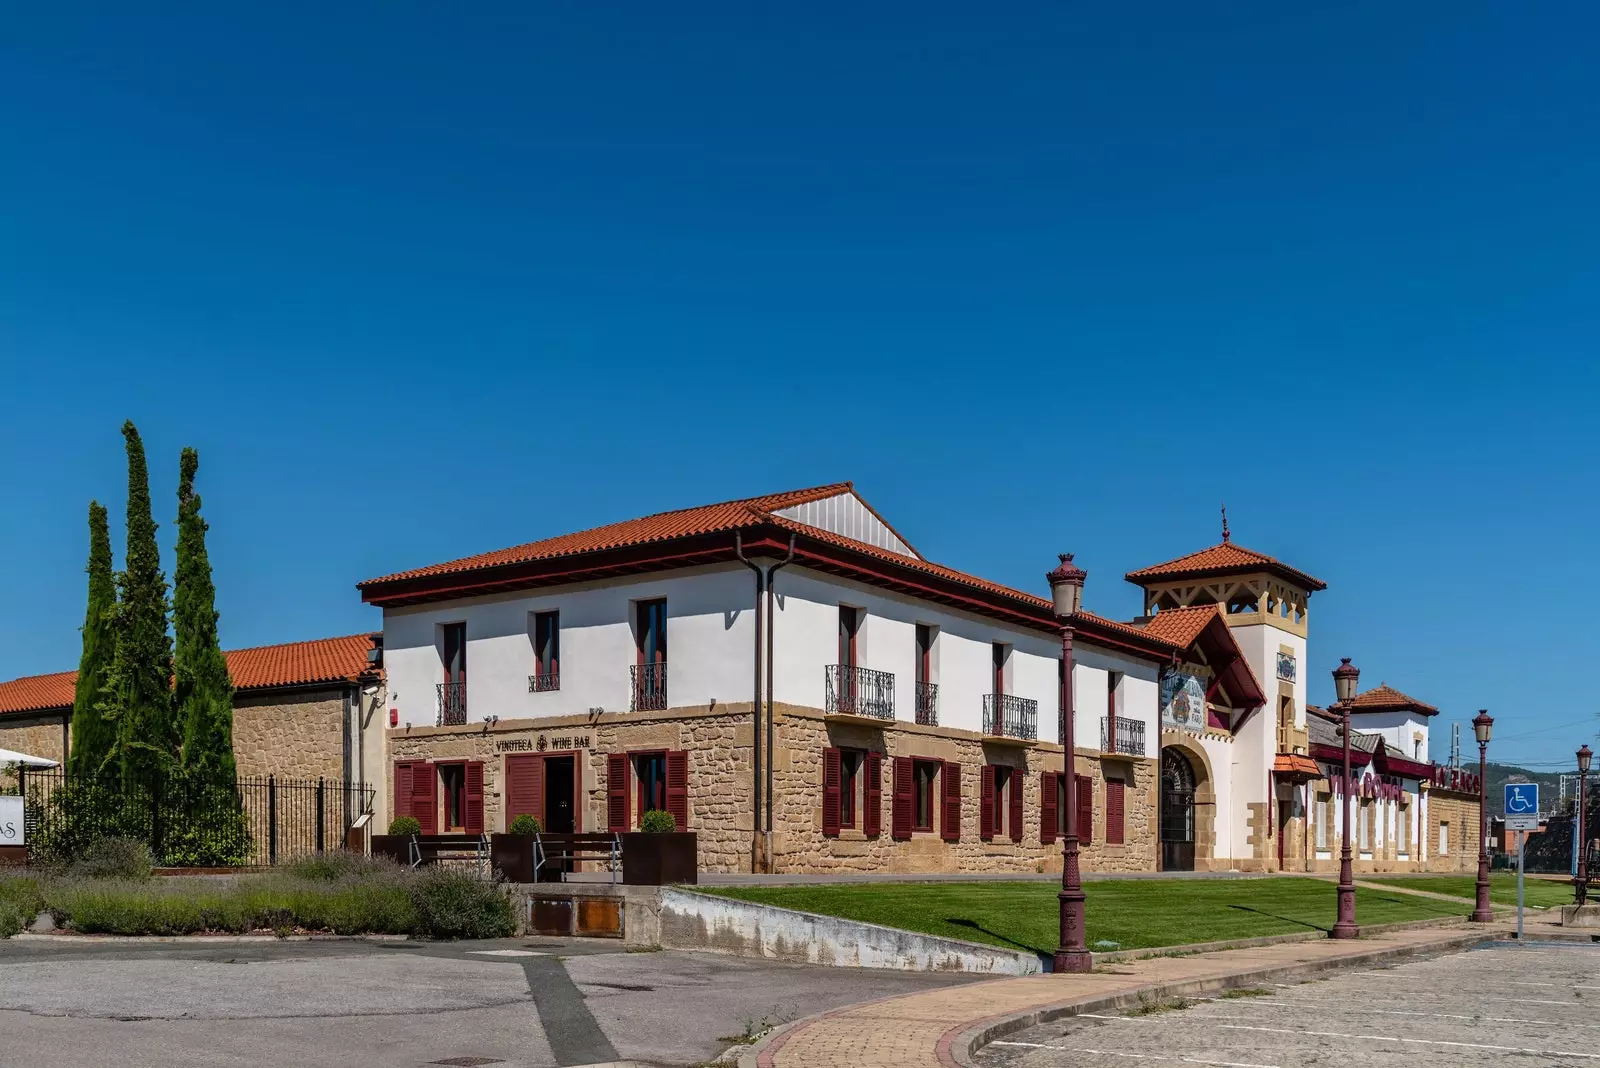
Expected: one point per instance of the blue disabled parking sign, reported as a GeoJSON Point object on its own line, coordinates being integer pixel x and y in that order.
{"type": "Point", "coordinates": [1522, 798]}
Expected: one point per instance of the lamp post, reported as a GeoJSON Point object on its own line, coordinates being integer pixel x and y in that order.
{"type": "Point", "coordinates": [1482, 725]}
{"type": "Point", "coordinates": [1072, 955]}
{"type": "Point", "coordinates": [1345, 677]}
{"type": "Point", "coordinates": [1581, 883]}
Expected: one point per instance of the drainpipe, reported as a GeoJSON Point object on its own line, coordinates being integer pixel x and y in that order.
{"type": "Point", "coordinates": [772, 625]}
{"type": "Point", "coordinates": [755, 706]}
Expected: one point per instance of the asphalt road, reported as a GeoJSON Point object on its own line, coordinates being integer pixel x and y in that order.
{"type": "Point", "coordinates": [1534, 1004]}
{"type": "Point", "coordinates": [522, 1003]}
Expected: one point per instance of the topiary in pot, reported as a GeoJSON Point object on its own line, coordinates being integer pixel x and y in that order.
{"type": "Point", "coordinates": [657, 821]}
{"type": "Point", "coordinates": [404, 825]}
{"type": "Point", "coordinates": [525, 824]}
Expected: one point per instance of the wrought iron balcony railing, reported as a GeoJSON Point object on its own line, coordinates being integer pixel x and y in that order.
{"type": "Point", "coordinates": [858, 691]}
{"type": "Point", "coordinates": [452, 703]}
{"type": "Point", "coordinates": [544, 682]}
{"type": "Point", "coordinates": [649, 686]}
{"type": "Point", "coordinates": [928, 704]}
{"type": "Point", "coordinates": [1010, 716]}
{"type": "Point", "coordinates": [1118, 734]}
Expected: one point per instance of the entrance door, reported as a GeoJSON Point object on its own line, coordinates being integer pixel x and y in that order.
{"type": "Point", "coordinates": [560, 816]}
{"type": "Point", "coordinates": [1177, 812]}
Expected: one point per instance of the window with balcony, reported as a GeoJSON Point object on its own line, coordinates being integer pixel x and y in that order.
{"type": "Point", "coordinates": [927, 691]}
{"type": "Point", "coordinates": [851, 689]}
{"type": "Point", "coordinates": [546, 653]}
{"type": "Point", "coordinates": [650, 670]}
{"type": "Point", "coordinates": [453, 690]}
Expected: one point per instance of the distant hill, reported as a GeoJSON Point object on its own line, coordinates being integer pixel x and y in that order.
{"type": "Point", "coordinates": [1549, 786]}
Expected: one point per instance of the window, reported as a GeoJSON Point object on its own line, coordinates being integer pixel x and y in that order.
{"type": "Point", "coordinates": [462, 787]}
{"type": "Point", "coordinates": [1000, 802]}
{"type": "Point", "coordinates": [925, 777]}
{"type": "Point", "coordinates": [1444, 838]}
{"type": "Point", "coordinates": [652, 632]}
{"type": "Point", "coordinates": [849, 627]}
{"type": "Point", "coordinates": [1001, 654]}
{"type": "Point", "coordinates": [1113, 680]}
{"type": "Point", "coordinates": [546, 651]}
{"type": "Point", "coordinates": [1403, 830]}
{"type": "Point", "coordinates": [1416, 749]}
{"type": "Point", "coordinates": [1323, 814]}
{"type": "Point", "coordinates": [455, 652]}
{"type": "Point", "coordinates": [924, 654]}
{"type": "Point", "coordinates": [651, 768]}
{"type": "Point", "coordinates": [1366, 824]}
{"type": "Point", "coordinates": [850, 761]}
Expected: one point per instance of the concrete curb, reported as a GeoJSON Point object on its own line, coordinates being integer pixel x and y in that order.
{"type": "Point", "coordinates": [1267, 940]}
{"type": "Point", "coordinates": [958, 1045]}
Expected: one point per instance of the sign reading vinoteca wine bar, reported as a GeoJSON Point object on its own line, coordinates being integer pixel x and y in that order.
{"type": "Point", "coordinates": [542, 743]}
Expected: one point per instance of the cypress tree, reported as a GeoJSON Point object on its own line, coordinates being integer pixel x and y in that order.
{"type": "Point", "coordinates": [140, 686]}
{"type": "Point", "coordinates": [93, 738]}
{"type": "Point", "coordinates": [204, 692]}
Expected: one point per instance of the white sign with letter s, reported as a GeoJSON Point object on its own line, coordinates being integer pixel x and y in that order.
{"type": "Point", "coordinates": [11, 830]}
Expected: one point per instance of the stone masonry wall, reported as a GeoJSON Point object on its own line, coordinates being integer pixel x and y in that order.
{"type": "Point", "coordinates": [293, 735]}
{"type": "Point", "coordinates": [40, 737]}
{"type": "Point", "coordinates": [718, 743]}
{"type": "Point", "coordinates": [1461, 812]}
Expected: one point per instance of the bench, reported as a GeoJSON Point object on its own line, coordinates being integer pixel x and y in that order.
{"type": "Point", "coordinates": [562, 851]}
{"type": "Point", "coordinates": [431, 848]}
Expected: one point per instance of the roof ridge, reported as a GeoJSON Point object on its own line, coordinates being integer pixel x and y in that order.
{"type": "Point", "coordinates": [303, 641]}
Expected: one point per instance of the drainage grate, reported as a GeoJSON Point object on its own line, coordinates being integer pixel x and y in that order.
{"type": "Point", "coordinates": [469, 1062]}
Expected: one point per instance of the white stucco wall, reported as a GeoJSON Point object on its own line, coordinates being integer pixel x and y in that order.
{"type": "Point", "coordinates": [1399, 729]}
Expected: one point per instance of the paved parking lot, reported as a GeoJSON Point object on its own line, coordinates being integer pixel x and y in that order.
{"type": "Point", "coordinates": [519, 1003]}
{"type": "Point", "coordinates": [1536, 1003]}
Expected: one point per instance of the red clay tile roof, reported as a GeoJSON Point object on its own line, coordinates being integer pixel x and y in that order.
{"type": "Point", "coordinates": [663, 526]}
{"type": "Point", "coordinates": [1386, 698]}
{"type": "Point", "coordinates": [264, 667]}
{"type": "Point", "coordinates": [1295, 764]}
{"type": "Point", "coordinates": [1224, 558]}
{"type": "Point", "coordinates": [38, 692]}
{"type": "Point", "coordinates": [1181, 626]}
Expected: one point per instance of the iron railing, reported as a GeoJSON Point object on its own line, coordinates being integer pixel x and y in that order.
{"type": "Point", "coordinates": [1118, 734]}
{"type": "Point", "coordinates": [452, 703]}
{"type": "Point", "coordinates": [189, 822]}
{"type": "Point", "coordinates": [1010, 716]}
{"type": "Point", "coordinates": [544, 682]}
{"type": "Point", "coordinates": [859, 691]}
{"type": "Point", "coordinates": [928, 704]}
{"type": "Point", "coordinates": [649, 686]}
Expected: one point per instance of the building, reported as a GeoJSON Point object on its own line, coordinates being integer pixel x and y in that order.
{"type": "Point", "coordinates": [301, 710]}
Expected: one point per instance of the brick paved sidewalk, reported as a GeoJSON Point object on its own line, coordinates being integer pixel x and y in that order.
{"type": "Point", "coordinates": [936, 1028]}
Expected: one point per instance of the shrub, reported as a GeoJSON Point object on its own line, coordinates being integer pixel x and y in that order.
{"type": "Point", "coordinates": [657, 821]}
{"type": "Point", "coordinates": [114, 858]}
{"type": "Point", "coordinates": [19, 903]}
{"type": "Point", "coordinates": [12, 919]}
{"type": "Point", "coordinates": [405, 825]}
{"type": "Point", "coordinates": [525, 824]}
{"type": "Point", "coordinates": [329, 867]}
{"type": "Point", "coordinates": [458, 904]}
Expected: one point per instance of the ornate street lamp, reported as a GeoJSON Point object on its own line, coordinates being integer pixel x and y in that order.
{"type": "Point", "coordinates": [1581, 883]}
{"type": "Point", "coordinates": [1345, 677]}
{"type": "Point", "coordinates": [1072, 955]}
{"type": "Point", "coordinates": [1482, 725]}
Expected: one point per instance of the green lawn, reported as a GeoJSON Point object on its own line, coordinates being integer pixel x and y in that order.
{"type": "Point", "coordinates": [1543, 893]}
{"type": "Point", "coordinates": [1137, 914]}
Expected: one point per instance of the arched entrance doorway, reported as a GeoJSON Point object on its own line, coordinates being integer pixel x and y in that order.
{"type": "Point", "coordinates": [1177, 811]}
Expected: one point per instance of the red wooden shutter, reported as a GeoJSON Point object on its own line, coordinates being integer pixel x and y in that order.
{"type": "Point", "coordinates": [1049, 810]}
{"type": "Point", "coordinates": [678, 787]}
{"type": "Point", "coordinates": [950, 826]}
{"type": "Point", "coordinates": [524, 788]}
{"type": "Point", "coordinates": [617, 792]}
{"type": "Point", "coordinates": [1085, 809]}
{"type": "Point", "coordinates": [1017, 776]}
{"type": "Point", "coordinates": [1113, 811]}
{"type": "Point", "coordinates": [425, 796]}
{"type": "Point", "coordinates": [872, 796]}
{"type": "Point", "coordinates": [831, 801]}
{"type": "Point", "coordinates": [986, 802]}
{"type": "Point", "coordinates": [904, 798]}
{"type": "Point", "coordinates": [474, 814]}
{"type": "Point", "coordinates": [400, 799]}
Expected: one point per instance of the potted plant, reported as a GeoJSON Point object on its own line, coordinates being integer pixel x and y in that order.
{"type": "Point", "coordinates": [659, 854]}
{"type": "Point", "coordinates": [511, 854]}
{"type": "Point", "coordinates": [396, 845]}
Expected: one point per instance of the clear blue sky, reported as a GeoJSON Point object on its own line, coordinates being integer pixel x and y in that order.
{"type": "Point", "coordinates": [419, 283]}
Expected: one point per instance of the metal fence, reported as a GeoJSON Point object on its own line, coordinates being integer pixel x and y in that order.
{"type": "Point", "coordinates": [254, 820]}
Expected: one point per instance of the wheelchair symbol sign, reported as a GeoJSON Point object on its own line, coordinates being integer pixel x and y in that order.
{"type": "Point", "coordinates": [1522, 798]}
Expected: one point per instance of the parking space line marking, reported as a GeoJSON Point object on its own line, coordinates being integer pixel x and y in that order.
{"type": "Point", "coordinates": [1403, 1012]}
{"type": "Point", "coordinates": [1134, 1056]}
{"type": "Point", "coordinates": [1412, 1041]}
